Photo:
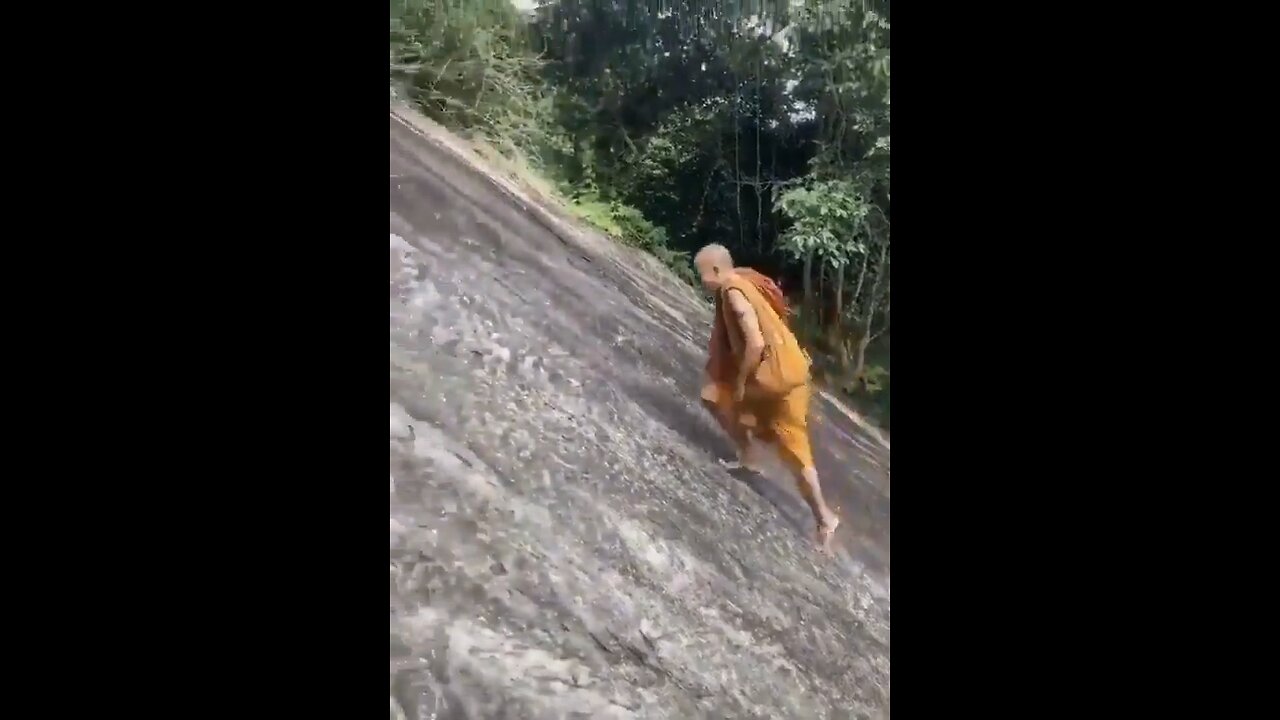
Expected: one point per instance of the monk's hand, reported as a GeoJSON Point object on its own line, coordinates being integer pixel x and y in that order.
{"type": "Point", "coordinates": [740, 392]}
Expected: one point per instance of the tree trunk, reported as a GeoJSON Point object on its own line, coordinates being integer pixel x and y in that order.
{"type": "Point", "coordinates": [836, 334]}
{"type": "Point", "coordinates": [759, 197]}
{"type": "Point", "coordinates": [862, 275]}
{"type": "Point", "coordinates": [839, 293]}
{"type": "Point", "coordinates": [860, 366]}
{"type": "Point", "coordinates": [874, 298]}
{"type": "Point", "coordinates": [737, 169]}
{"type": "Point", "coordinates": [822, 296]}
{"type": "Point", "coordinates": [808, 281]}
{"type": "Point", "coordinates": [865, 338]}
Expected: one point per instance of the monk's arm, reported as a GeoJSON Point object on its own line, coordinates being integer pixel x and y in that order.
{"type": "Point", "coordinates": [753, 339]}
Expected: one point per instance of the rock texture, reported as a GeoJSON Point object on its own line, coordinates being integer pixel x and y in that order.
{"type": "Point", "coordinates": [563, 540]}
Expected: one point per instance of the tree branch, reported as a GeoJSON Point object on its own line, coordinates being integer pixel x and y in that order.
{"type": "Point", "coordinates": [862, 275]}
{"type": "Point", "coordinates": [875, 287]}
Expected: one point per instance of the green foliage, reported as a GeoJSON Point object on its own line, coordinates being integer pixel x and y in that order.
{"type": "Point", "coordinates": [469, 66]}
{"type": "Point", "coordinates": [629, 226]}
{"type": "Point", "coordinates": [829, 220]}
{"type": "Point", "coordinates": [636, 230]}
{"type": "Point", "coordinates": [844, 71]}
{"type": "Point", "coordinates": [876, 379]}
{"type": "Point", "coordinates": [761, 126]}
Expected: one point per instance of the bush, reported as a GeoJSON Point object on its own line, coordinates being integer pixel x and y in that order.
{"type": "Point", "coordinates": [636, 230]}
{"type": "Point", "coordinates": [630, 227]}
{"type": "Point", "coordinates": [469, 65]}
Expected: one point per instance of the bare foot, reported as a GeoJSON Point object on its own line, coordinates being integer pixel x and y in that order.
{"type": "Point", "coordinates": [747, 460]}
{"type": "Point", "coordinates": [739, 464]}
{"type": "Point", "coordinates": [826, 531]}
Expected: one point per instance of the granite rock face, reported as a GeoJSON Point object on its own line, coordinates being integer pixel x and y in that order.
{"type": "Point", "coordinates": [564, 542]}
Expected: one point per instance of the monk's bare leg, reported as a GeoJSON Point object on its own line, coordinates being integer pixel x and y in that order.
{"type": "Point", "coordinates": [789, 428]}
{"type": "Point", "coordinates": [806, 478]}
{"type": "Point", "coordinates": [740, 435]}
{"type": "Point", "coordinates": [748, 459]}
{"type": "Point", "coordinates": [826, 520]}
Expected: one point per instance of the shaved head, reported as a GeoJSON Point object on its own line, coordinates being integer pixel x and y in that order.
{"type": "Point", "coordinates": [715, 254]}
{"type": "Point", "coordinates": [713, 262]}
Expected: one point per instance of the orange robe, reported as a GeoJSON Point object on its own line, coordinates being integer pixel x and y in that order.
{"type": "Point", "coordinates": [780, 421]}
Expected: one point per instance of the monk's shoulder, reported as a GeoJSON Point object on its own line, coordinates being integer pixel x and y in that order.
{"type": "Point", "coordinates": [740, 284]}
{"type": "Point", "coordinates": [742, 306]}
{"type": "Point", "coordinates": [733, 293]}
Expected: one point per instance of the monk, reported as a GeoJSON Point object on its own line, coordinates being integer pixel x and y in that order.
{"type": "Point", "coordinates": [758, 376]}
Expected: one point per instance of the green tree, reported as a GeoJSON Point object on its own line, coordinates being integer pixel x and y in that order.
{"type": "Point", "coordinates": [762, 126]}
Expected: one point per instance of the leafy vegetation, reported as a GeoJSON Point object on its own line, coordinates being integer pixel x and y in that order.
{"type": "Point", "coordinates": [764, 126]}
